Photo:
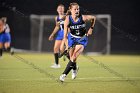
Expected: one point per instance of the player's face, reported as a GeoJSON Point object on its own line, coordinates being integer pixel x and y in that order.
{"type": "Point", "coordinates": [75, 10]}
{"type": "Point", "coordinates": [1, 26]}
{"type": "Point", "coordinates": [60, 10]}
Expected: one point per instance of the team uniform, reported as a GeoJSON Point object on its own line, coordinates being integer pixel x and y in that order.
{"type": "Point", "coordinates": [75, 36]}
{"type": "Point", "coordinates": [60, 33]}
{"type": "Point", "coordinates": [59, 36]}
{"type": "Point", "coordinates": [77, 31]}
{"type": "Point", "coordinates": [5, 35]}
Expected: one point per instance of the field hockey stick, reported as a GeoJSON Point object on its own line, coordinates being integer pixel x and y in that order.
{"type": "Point", "coordinates": [71, 47]}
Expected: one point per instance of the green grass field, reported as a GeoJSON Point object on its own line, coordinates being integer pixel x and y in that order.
{"type": "Point", "coordinates": [95, 75]}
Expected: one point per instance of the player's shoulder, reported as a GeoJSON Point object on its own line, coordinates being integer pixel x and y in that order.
{"type": "Point", "coordinates": [67, 17]}
{"type": "Point", "coordinates": [56, 17]}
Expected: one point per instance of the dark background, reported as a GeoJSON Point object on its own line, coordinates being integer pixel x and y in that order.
{"type": "Point", "coordinates": [125, 32]}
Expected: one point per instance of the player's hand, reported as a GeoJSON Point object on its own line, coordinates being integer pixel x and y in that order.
{"type": "Point", "coordinates": [65, 39]}
{"type": "Point", "coordinates": [89, 32]}
{"type": "Point", "coordinates": [51, 37]}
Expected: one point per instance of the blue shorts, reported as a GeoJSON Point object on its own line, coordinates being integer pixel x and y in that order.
{"type": "Point", "coordinates": [72, 40]}
{"type": "Point", "coordinates": [60, 35]}
{"type": "Point", "coordinates": [5, 37]}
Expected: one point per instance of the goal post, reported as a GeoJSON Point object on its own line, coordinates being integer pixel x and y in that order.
{"type": "Point", "coordinates": [43, 25]}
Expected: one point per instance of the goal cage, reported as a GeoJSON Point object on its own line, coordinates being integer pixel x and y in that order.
{"type": "Point", "coordinates": [43, 25]}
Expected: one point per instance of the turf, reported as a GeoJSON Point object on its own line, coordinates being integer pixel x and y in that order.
{"type": "Point", "coordinates": [97, 74]}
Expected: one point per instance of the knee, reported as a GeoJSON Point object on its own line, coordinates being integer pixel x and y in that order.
{"type": "Point", "coordinates": [7, 45]}
{"type": "Point", "coordinates": [61, 50]}
{"type": "Point", "coordinates": [73, 57]}
{"type": "Point", "coordinates": [1, 45]}
{"type": "Point", "coordinates": [56, 49]}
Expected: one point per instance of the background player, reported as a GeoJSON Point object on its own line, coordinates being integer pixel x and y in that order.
{"type": "Point", "coordinates": [76, 23]}
{"type": "Point", "coordinates": [58, 30]}
{"type": "Point", "coordinates": [5, 38]}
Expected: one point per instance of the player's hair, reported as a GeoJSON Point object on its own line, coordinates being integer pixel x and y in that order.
{"type": "Point", "coordinates": [4, 19]}
{"type": "Point", "coordinates": [72, 4]}
{"type": "Point", "coordinates": [61, 5]}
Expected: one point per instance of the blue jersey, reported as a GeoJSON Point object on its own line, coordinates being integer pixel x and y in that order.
{"type": "Point", "coordinates": [77, 28]}
{"type": "Point", "coordinates": [77, 31]}
{"type": "Point", "coordinates": [60, 33]}
{"type": "Point", "coordinates": [61, 23]}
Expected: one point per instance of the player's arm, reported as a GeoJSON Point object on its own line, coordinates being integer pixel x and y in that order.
{"type": "Point", "coordinates": [55, 30]}
{"type": "Point", "coordinates": [92, 19]}
{"type": "Point", "coordinates": [66, 23]}
{"type": "Point", "coordinates": [7, 28]}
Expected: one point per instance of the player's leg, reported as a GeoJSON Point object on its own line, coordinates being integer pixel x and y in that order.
{"type": "Point", "coordinates": [1, 46]}
{"type": "Point", "coordinates": [73, 56]}
{"type": "Point", "coordinates": [7, 44]}
{"type": "Point", "coordinates": [62, 46]}
{"type": "Point", "coordinates": [68, 67]}
{"type": "Point", "coordinates": [78, 50]}
{"type": "Point", "coordinates": [57, 45]}
{"type": "Point", "coordinates": [56, 50]}
{"type": "Point", "coordinates": [76, 53]}
{"type": "Point", "coordinates": [70, 64]}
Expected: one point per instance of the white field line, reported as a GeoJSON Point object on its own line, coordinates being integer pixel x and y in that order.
{"type": "Point", "coordinates": [89, 78]}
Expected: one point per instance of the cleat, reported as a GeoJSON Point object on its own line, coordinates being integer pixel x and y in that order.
{"type": "Point", "coordinates": [55, 66]}
{"type": "Point", "coordinates": [62, 77]}
{"type": "Point", "coordinates": [12, 51]}
{"type": "Point", "coordinates": [74, 73]}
